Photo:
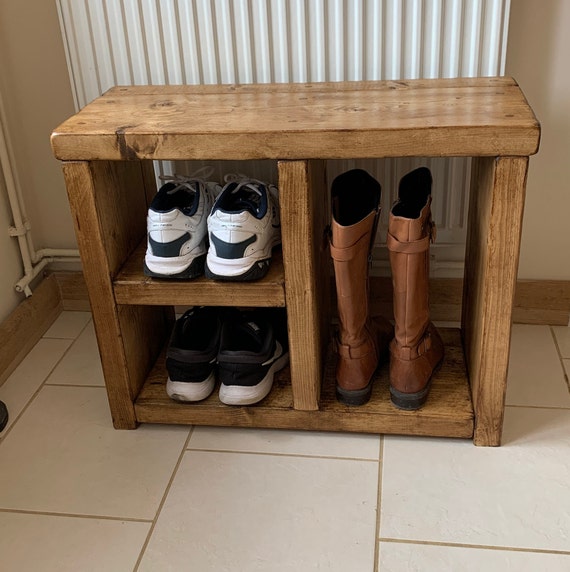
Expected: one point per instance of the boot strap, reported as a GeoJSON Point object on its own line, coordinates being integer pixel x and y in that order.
{"type": "Point", "coordinates": [354, 352]}
{"type": "Point", "coordinates": [412, 246]}
{"type": "Point", "coordinates": [350, 252]}
{"type": "Point", "coordinates": [408, 247]}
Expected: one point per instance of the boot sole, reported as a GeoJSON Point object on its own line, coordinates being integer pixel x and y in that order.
{"type": "Point", "coordinates": [354, 397]}
{"type": "Point", "coordinates": [412, 401]}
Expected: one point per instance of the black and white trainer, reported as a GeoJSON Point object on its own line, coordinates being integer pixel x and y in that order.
{"type": "Point", "coordinates": [253, 348]}
{"type": "Point", "coordinates": [177, 230]}
{"type": "Point", "coordinates": [192, 353]}
{"type": "Point", "coordinates": [243, 226]}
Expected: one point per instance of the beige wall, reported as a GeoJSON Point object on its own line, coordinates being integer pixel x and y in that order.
{"type": "Point", "coordinates": [35, 87]}
{"type": "Point", "coordinates": [539, 58]}
{"type": "Point", "coordinates": [36, 92]}
{"type": "Point", "coordinates": [10, 264]}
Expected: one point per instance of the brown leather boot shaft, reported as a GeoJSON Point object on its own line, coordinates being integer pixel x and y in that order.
{"type": "Point", "coordinates": [356, 344]}
{"type": "Point", "coordinates": [408, 246]}
{"type": "Point", "coordinates": [416, 349]}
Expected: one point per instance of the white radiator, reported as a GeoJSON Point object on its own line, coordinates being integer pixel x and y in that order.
{"type": "Point", "coordinates": [138, 42]}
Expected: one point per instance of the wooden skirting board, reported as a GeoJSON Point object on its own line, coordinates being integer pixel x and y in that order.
{"type": "Point", "coordinates": [536, 301]}
{"type": "Point", "coordinates": [22, 329]}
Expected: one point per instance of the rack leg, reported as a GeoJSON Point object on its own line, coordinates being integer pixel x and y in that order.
{"type": "Point", "coordinates": [108, 201]}
{"type": "Point", "coordinates": [491, 263]}
{"type": "Point", "coordinates": [305, 214]}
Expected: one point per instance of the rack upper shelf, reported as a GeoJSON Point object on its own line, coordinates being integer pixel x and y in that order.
{"type": "Point", "coordinates": [439, 117]}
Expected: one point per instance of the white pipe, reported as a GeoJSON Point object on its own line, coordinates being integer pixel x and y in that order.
{"type": "Point", "coordinates": [55, 253]}
{"type": "Point", "coordinates": [33, 262]}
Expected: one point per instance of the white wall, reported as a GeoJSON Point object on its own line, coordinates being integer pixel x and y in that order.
{"type": "Point", "coordinates": [539, 58]}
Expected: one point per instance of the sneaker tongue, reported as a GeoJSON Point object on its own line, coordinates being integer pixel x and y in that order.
{"type": "Point", "coordinates": [254, 330]}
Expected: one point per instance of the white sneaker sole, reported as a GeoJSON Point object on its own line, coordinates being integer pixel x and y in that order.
{"type": "Point", "coordinates": [173, 265]}
{"type": "Point", "coordinates": [186, 391]}
{"type": "Point", "coordinates": [234, 267]}
{"type": "Point", "coordinates": [248, 395]}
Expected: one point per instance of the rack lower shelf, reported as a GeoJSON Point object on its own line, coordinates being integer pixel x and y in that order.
{"type": "Point", "coordinates": [448, 412]}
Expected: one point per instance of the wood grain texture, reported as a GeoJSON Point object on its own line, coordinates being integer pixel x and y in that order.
{"type": "Point", "coordinates": [305, 213]}
{"type": "Point", "coordinates": [545, 302]}
{"type": "Point", "coordinates": [448, 412]}
{"type": "Point", "coordinates": [26, 324]}
{"type": "Point", "coordinates": [133, 287]}
{"type": "Point", "coordinates": [439, 117]}
{"type": "Point", "coordinates": [493, 242]}
{"type": "Point", "coordinates": [109, 206]}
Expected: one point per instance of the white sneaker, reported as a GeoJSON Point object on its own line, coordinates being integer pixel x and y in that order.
{"type": "Point", "coordinates": [243, 227]}
{"type": "Point", "coordinates": [177, 226]}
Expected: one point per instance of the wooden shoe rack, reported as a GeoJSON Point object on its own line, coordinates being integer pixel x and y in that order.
{"type": "Point", "coordinates": [107, 151]}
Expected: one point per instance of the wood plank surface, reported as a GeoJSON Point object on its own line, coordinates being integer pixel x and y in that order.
{"type": "Point", "coordinates": [448, 411]}
{"type": "Point", "coordinates": [438, 117]}
{"type": "Point", "coordinates": [133, 287]}
{"type": "Point", "coordinates": [305, 214]}
{"type": "Point", "coordinates": [108, 202]}
{"type": "Point", "coordinates": [492, 253]}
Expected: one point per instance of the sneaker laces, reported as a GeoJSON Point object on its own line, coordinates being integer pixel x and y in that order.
{"type": "Point", "coordinates": [244, 181]}
{"type": "Point", "coordinates": [186, 181]}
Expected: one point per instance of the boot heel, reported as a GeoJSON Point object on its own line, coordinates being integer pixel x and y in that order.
{"type": "Point", "coordinates": [409, 401]}
{"type": "Point", "coordinates": [354, 397]}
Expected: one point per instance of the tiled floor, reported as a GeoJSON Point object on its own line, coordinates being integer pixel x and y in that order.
{"type": "Point", "coordinates": [76, 495]}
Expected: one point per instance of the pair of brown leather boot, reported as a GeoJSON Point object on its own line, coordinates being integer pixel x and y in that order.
{"type": "Point", "coordinates": [414, 344]}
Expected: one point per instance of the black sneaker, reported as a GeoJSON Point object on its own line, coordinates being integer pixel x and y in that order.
{"type": "Point", "coordinates": [191, 355]}
{"type": "Point", "coordinates": [253, 347]}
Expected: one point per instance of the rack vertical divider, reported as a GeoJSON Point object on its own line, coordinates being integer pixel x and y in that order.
{"type": "Point", "coordinates": [108, 170]}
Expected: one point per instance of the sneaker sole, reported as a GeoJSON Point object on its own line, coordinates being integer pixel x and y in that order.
{"type": "Point", "coordinates": [188, 391]}
{"type": "Point", "coordinates": [248, 395]}
{"type": "Point", "coordinates": [255, 272]}
{"type": "Point", "coordinates": [194, 269]}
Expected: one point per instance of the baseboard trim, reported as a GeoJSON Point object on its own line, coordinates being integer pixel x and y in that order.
{"type": "Point", "coordinates": [545, 302]}
{"type": "Point", "coordinates": [536, 301]}
{"type": "Point", "coordinates": [24, 327]}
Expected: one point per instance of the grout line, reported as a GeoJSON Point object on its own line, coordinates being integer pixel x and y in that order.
{"type": "Point", "coordinates": [73, 515]}
{"type": "Point", "coordinates": [560, 357]}
{"type": "Point", "coordinates": [75, 337]}
{"type": "Point", "coordinates": [163, 500]}
{"type": "Point", "coordinates": [92, 386]}
{"type": "Point", "coordinates": [481, 546]}
{"type": "Point", "coordinates": [549, 408]}
{"type": "Point", "coordinates": [7, 431]}
{"type": "Point", "coordinates": [301, 455]}
{"type": "Point", "coordinates": [378, 504]}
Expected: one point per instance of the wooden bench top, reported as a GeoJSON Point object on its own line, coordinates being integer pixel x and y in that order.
{"type": "Point", "coordinates": [439, 117]}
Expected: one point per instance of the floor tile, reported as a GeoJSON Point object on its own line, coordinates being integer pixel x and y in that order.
{"type": "Point", "coordinates": [536, 377]}
{"type": "Point", "coordinates": [230, 511]}
{"type": "Point", "coordinates": [562, 334]}
{"type": "Point", "coordinates": [29, 543]}
{"type": "Point", "coordinates": [286, 442]}
{"type": "Point", "coordinates": [82, 364]}
{"type": "Point", "coordinates": [64, 456]}
{"type": "Point", "coordinates": [398, 557]}
{"type": "Point", "coordinates": [27, 378]}
{"type": "Point", "coordinates": [68, 325]}
{"type": "Point", "coordinates": [442, 490]}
